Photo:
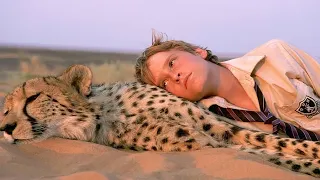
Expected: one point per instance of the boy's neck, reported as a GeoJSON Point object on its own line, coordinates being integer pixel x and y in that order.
{"type": "Point", "coordinates": [228, 83]}
{"type": "Point", "coordinates": [228, 87]}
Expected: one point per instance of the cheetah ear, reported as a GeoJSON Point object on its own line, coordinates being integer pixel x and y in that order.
{"type": "Point", "coordinates": [79, 77]}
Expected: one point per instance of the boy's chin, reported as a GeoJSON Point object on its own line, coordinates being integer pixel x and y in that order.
{"type": "Point", "coordinates": [195, 97]}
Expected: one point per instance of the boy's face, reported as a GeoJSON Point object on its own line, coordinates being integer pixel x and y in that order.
{"type": "Point", "coordinates": [182, 73]}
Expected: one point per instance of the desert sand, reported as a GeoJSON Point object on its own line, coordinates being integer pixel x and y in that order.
{"type": "Point", "coordinates": [68, 159]}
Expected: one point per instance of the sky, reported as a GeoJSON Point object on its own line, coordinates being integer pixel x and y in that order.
{"type": "Point", "coordinates": [224, 26]}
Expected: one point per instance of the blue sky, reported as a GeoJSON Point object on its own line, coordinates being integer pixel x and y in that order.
{"type": "Point", "coordinates": [225, 26]}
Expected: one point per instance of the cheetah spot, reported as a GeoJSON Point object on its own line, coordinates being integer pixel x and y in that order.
{"type": "Point", "coordinates": [177, 114]}
{"type": "Point", "coordinates": [282, 144]}
{"type": "Point", "coordinates": [305, 145]}
{"type": "Point", "coordinates": [146, 139]}
{"type": "Point", "coordinates": [307, 164]}
{"type": "Point", "coordinates": [235, 129]}
{"type": "Point", "coordinates": [206, 127]}
{"type": "Point", "coordinates": [296, 167]}
{"type": "Point", "coordinates": [300, 152]}
{"type": "Point", "coordinates": [316, 171]}
{"type": "Point", "coordinates": [182, 132]}
{"type": "Point", "coordinates": [149, 103]}
{"type": "Point", "coordinates": [159, 130]}
{"type": "Point", "coordinates": [226, 135]}
{"type": "Point", "coordinates": [144, 125]}
{"type": "Point", "coordinates": [164, 140]}
{"type": "Point", "coordinates": [190, 140]}
{"type": "Point", "coordinates": [289, 161]}
{"type": "Point", "coordinates": [190, 112]}
{"type": "Point", "coordinates": [261, 138]}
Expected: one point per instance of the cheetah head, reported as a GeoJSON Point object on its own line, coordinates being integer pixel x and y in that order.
{"type": "Point", "coordinates": [38, 108]}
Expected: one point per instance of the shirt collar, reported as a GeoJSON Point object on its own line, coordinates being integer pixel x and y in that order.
{"type": "Point", "coordinates": [244, 63]}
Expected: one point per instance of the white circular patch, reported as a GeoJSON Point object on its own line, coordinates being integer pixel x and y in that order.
{"type": "Point", "coordinates": [8, 137]}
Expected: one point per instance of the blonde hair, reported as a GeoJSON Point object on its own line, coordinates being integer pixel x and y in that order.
{"type": "Point", "coordinates": [161, 44]}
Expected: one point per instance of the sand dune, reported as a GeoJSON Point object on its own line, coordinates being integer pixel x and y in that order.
{"type": "Point", "coordinates": [68, 159]}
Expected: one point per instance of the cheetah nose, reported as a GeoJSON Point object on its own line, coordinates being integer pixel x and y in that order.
{"type": "Point", "coordinates": [8, 128]}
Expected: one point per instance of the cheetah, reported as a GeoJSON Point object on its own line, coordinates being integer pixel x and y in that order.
{"type": "Point", "coordinates": [136, 116]}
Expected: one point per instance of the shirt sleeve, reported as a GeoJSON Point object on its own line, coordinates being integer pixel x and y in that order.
{"type": "Point", "coordinates": [306, 65]}
{"type": "Point", "coordinates": [303, 67]}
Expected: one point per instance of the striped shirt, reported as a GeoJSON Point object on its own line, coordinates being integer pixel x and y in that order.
{"type": "Point", "coordinates": [265, 116]}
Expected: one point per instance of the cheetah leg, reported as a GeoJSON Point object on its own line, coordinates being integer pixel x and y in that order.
{"type": "Point", "coordinates": [204, 120]}
{"type": "Point", "coordinates": [194, 141]}
{"type": "Point", "coordinates": [293, 163]}
{"type": "Point", "coordinates": [302, 148]}
{"type": "Point", "coordinates": [220, 130]}
{"type": "Point", "coordinates": [168, 136]}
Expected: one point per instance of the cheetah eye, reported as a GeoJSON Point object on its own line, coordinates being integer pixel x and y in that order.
{"type": "Point", "coordinates": [6, 112]}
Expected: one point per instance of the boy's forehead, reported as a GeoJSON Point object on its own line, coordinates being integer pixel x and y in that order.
{"type": "Point", "coordinates": [163, 55]}
{"type": "Point", "coordinates": [158, 58]}
{"type": "Point", "coordinates": [152, 72]}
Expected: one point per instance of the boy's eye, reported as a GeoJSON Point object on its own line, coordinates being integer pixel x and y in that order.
{"type": "Point", "coordinates": [171, 63]}
{"type": "Point", "coordinates": [164, 84]}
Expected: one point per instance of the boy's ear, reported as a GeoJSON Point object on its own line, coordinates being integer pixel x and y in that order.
{"type": "Point", "coordinates": [201, 52]}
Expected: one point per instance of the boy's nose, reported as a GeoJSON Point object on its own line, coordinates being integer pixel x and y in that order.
{"type": "Point", "coordinates": [177, 77]}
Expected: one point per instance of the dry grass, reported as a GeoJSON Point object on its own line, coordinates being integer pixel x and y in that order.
{"type": "Point", "coordinates": [110, 71]}
{"type": "Point", "coordinates": [35, 67]}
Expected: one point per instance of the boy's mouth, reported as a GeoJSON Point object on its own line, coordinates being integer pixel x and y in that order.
{"type": "Point", "coordinates": [185, 82]}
